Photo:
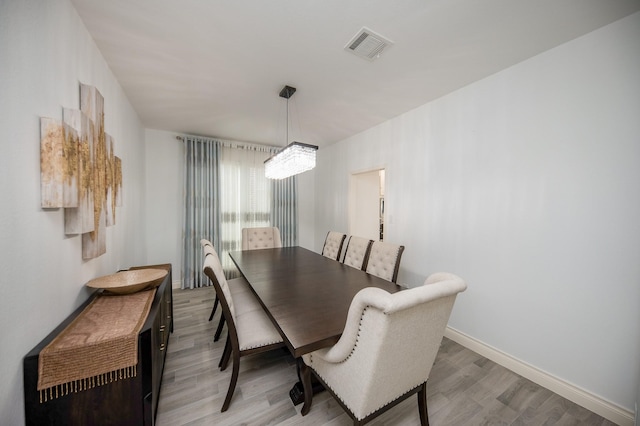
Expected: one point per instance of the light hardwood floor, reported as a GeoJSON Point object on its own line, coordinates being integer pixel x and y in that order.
{"type": "Point", "coordinates": [464, 388]}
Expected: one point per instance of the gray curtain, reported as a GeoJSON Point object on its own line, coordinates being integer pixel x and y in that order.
{"type": "Point", "coordinates": [284, 209]}
{"type": "Point", "coordinates": [208, 173]}
{"type": "Point", "coordinates": [201, 207]}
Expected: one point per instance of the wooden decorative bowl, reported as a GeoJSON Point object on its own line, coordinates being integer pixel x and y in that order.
{"type": "Point", "coordinates": [126, 282]}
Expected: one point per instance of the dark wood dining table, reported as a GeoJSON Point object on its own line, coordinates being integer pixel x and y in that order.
{"type": "Point", "coordinates": [306, 295]}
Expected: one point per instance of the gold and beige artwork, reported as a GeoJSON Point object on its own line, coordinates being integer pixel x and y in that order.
{"type": "Point", "coordinates": [80, 172]}
{"type": "Point", "coordinates": [58, 164]}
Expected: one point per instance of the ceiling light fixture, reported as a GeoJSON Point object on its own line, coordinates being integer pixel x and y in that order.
{"type": "Point", "coordinates": [296, 157]}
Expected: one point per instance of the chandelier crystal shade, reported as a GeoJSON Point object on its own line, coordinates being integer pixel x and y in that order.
{"type": "Point", "coordinates": [295, 158]}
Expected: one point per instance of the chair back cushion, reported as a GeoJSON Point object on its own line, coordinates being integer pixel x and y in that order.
{"type": "Point", "coordinates": [260, 238]}
{"type": "Point", "coordinates": [389, 344]}
{"type": "Point", "coordinates": [213, 269]}
{"type": "Point", "coordinates": [384, 260]}
{"type": "Point", "coordinates": [357, 252]}
{"type": "Point", "coordinates": [333, 245]}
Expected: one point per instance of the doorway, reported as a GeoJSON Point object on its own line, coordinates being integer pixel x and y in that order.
{"type": "Point", "coordinates": [366, 202]}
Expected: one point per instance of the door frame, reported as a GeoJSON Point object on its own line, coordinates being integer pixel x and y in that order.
{"type": "Point", "coordinates": [353, 177]}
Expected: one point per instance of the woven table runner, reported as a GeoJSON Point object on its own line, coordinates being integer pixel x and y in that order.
{"type": "Point", "coordinates": [98, 347]}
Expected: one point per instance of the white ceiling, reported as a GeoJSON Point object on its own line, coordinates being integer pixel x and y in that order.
{"type": "Point", "coordinates": [215, 67]}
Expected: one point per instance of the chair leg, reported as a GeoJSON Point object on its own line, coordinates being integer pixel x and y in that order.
{"type": "Point", "coordinates": [232, 384]}
{"type": "Point", "coordinates": [215, 305]}
{"type": "Point", "coordinates": [224, 360]}
{"type": "Point", "coordinates": [422, 405]}
{"type": "Point", "coordinates": [224, 353]}
{"type": "Point", "coordinates": [216, 336]}
{"type": "Point", "coordinates": [305, 376]}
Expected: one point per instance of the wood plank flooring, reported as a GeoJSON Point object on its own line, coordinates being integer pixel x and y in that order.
{"type": "Point", "coordinates": [464, 388]}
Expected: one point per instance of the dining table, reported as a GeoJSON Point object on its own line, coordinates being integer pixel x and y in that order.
{"type": "Point", "coordinates": [306, 295]}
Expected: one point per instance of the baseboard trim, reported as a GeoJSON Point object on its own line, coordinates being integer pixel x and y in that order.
{"type": "Point", "coordinates": [606, 409]}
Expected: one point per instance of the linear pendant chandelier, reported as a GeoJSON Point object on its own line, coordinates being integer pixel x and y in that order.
{"type": "Point", "coordinates": [296, 157]}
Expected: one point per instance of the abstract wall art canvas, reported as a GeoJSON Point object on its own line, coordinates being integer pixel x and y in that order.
{"type": "Point", "coordinates": [80, 171]}
{"type": "Point", "coordinates": [79, 220]}
{"type": "Point", "coordinates": [117, 181]}
{"type": "Point", "coordinates": [58, 164]}
{"type": "Point", "coordinates": [94, 243]}
{"type": "Point", "coordinates": [110, 203]}
{"type": "Point", "coordinates": [114, 182]}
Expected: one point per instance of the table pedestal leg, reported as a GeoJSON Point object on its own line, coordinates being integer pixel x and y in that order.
{"type": "Point", "coordinates": [297, 391]}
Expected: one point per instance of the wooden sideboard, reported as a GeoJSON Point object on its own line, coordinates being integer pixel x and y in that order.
{"type": "Point", "coordinates": [132, 401]}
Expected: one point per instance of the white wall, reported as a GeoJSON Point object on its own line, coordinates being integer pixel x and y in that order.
{"type": "Point", "coordinates": [163, 197]}
{"type": "Point", "coordinates": [526, 185]}
{"type": "Point", "coordinates": [45, 53]}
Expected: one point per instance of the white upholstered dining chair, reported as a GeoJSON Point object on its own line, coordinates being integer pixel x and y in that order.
{"type": "Point", "coordinates": [384, 260]}
{"type": "Point", "coordinates": [261, 238]}
{"type": "Point", "coordinates": [207, 246]}
{"type": "Point", "coordinates": [241, 285]}
{"type": "Point", "coordinates": [249, 328]}
{"type": "Point", "coordinates": [357, 252]}
{"type": "Point", "coordinates": [387, 349]}
{"type": "Point", "coordinates": [235, 286]}
{"type": "Point", "coordinates": [333, 245]}
{"type": "Point", "coordinates": [252, 239]}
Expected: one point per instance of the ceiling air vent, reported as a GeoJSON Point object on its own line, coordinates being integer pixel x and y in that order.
{"type": "Point", "coordinates": [367, 44]}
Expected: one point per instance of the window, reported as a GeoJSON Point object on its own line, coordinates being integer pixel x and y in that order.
{"type": "Point", "coordinates": [245, 199]}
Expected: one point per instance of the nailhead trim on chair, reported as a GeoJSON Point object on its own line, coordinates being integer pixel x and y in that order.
{"type": "Point", "coordinates": [349, 356]}
{"type": "Point", "coordinates": [394, 399]}
{"type": "Point", "coordinates": [359, 330]}
{"type": "Point", "coordinates": [349, 406]}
